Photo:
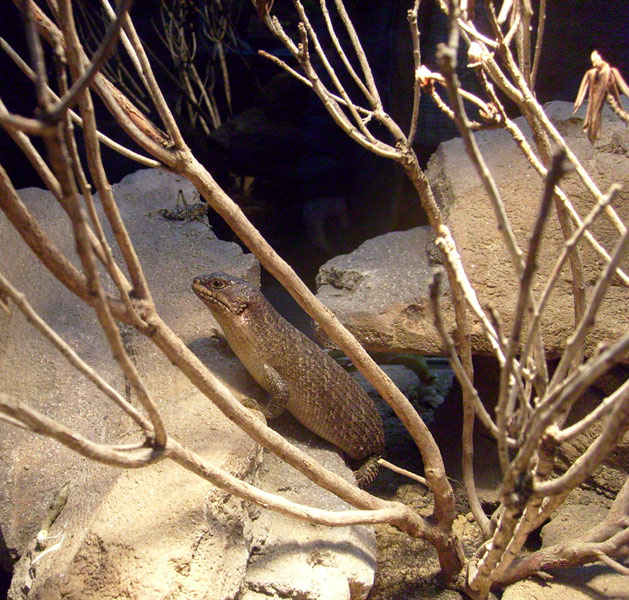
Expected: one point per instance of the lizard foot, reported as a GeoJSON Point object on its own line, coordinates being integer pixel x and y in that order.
{"type": "Point", "coordinates": [367, 472]}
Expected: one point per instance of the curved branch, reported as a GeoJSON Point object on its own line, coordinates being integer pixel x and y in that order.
{"type": "Point", "coordinates": [72, 357]}
{"type": "Point", "coordinates": [43, 425]}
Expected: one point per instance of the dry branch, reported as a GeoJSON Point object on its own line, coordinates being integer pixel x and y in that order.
{"type": "Point", "coordinates": [531, 410]}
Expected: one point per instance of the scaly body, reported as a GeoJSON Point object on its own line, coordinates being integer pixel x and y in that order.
{"type": "Point", "coordinates": [298, 375]}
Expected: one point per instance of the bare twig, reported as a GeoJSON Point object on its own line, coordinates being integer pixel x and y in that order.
{"type": "Point", "coordinates": [610, 562]}
{"type": "Point", "coordinates": [412, 22]}
{"type": "Point", "coordinates": [337, 45]}
{"type": "Point", "coordinates": [400, 471]}
{"type": "Point", "coordinates": [560, 262]}
{"type": "Point", "coordinates": [101, 306]}
{"type": "Point", "coordinates": [149, 162]}
{"type": "Point", "coordinates": [446, 244]}
{"type": "Point", "coordinates": [541, 22]}
{"type": "Point", "coordinates": [30, 126]}
{"type": "Point", "coordinates": [506, 402]}
{"type": "Point", "coordinates": [575, 342]}
{"type": "Point", "coordinates": [71, 356]}
{"type": "Point", "coordinates": [102, 54]}
{"type": "Point", "coordinates": [609, 537]}
{"type": "Point", "coordinates": [471, 404]}
{"type": "Point", "coordinates": [455, 362]}
{"type": "Point", "coordinates": [601, 411]}
{"type": "Point", "coordinates": [43, 425]}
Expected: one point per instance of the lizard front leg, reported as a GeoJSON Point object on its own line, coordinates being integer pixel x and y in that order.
{"type": "Point", "coordinates": [278, 391]}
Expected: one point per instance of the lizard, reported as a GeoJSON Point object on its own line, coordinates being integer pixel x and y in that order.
{"type": "Point", "coordinates": [297, 374]}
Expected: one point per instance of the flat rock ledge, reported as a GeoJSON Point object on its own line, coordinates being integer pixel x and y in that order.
{"type": "Point", "coordinates": [159, 531]}
{"type": "Point", "coordinates": [380, 291]}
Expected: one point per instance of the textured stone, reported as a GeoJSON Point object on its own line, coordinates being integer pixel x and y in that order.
{"type": "Point", "coordinates": [154, 532]}
{"type": "Point", "coordinates": [294, 559]}
{"type": "Point", "coordinates": [380, 290]}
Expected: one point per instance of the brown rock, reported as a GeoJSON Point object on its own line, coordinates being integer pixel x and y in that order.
{"type": "Point", "coordinates": [380, 290]}
{"type": "Point", "coordinates": [159, 531]}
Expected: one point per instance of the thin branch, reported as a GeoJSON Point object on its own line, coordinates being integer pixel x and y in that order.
{"type": "Point", "coordinates": [84, 249]}
{"type": "Point", "coordinates": [393, 513]}
{"type": "Point", "coordinates": [446, 244]}
{"type": "Point", "coordinates": [506, 402]}
{"type": "Point", "coordinates": [51, 182]}
{"type": "Point", "coordinates": [309, 33]}
{"type": "Point", "coordinates": [43, 425]}
{"type": "Point", "coordinates": [471, 404]}
{"type": "Point", "coordinates": [339, 50]}
{"type": "Point", "coordinates": [417, 61]}
{"type": "Point", "coordinates": [71, 356]}
{"type": "Point", "coordinates": [544, 147]}
{"type": "Point", "coordinates": [20, 123]}
{"type": "Point", "coordinates": [404, 472]}
{"type": "Point", "coordinates": [609, 538]}
{"type": "Point", "coordinates": [39, 242]}
{"type": "Point", "coordinates": [615, 427]}
{"type": "Point", "coordinates": [144, 160]}
{"type": "Point", "coordinates": [126, 43]}
{"type": "Point", "coordinates": [560, 262]}
{"type": "Point", "coordinates": [98, 60]}
{"type": "Point", "coordinates": [447, 59]}
{"type": "Point", "coordinates": [36, 51]}
{"type": "Point", "coordinates": [538, 112]}
{"type": "Point", "coordinates": [559, 399]}
{"type": "Point", "coordinates": [610, 562]}
{"type": "Point", "coordinates": [129, 253]}
{"type": "Point", "coordinates": [576, 340]}
{"type": "Point", "coordinates": [360, 53]}
{"type": "Point", "coordinates": [101, 247]}
{"type": "Point", "coordinates": [145, 133]}
{"type": "Point", "coordinates": [528, 152]}
{"type": "Point", "coordinates": [154, 89]}
{"type": "Point", "coordinates": [595, 416]}
{"type": "Point", "coordinates": [541, 22]}
{"type": "Point", "coordinates": [280, 63]}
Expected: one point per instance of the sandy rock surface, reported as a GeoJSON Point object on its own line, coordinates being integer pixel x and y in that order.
{"type": "Point", "coordinates": [154, 532]}
{"type": "Point", "coordinates": [379, 291]}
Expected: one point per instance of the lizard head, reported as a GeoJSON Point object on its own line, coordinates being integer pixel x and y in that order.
{"type": "Point", "coordinates": [224, 294]}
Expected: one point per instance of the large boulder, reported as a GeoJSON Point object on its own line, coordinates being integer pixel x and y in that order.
{"type": "Point", "coordinates": [380, 290]}
{"type": "Point", "coordinates": [158, 531]}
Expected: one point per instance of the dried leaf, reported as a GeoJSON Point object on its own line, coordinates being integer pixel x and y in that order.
{"type": "Point", "coordinates": [583, 90]}
{"type": "Point", "coordinates": [620, 82]}
{"type": "Point", "coordinates": [600, 83]}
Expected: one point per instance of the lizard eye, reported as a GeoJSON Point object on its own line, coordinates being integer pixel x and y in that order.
{"type": "Point", "coordinates": [217, 284]}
